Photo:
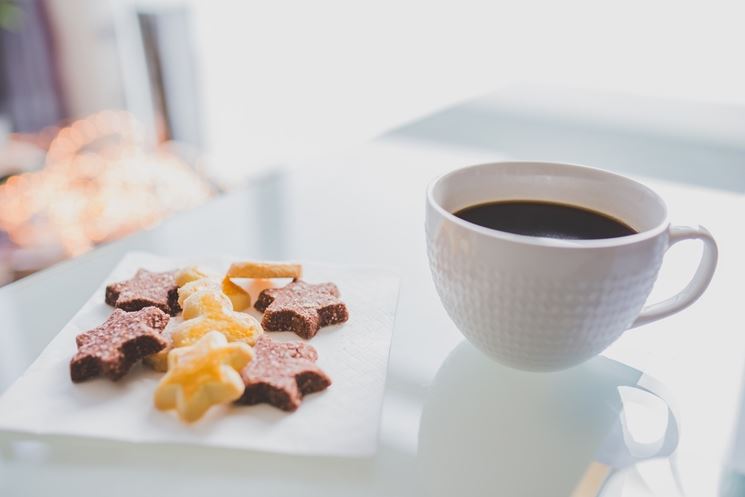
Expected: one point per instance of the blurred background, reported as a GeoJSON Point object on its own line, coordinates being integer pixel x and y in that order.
{"type": "Point", "coordinates": [114, 114]}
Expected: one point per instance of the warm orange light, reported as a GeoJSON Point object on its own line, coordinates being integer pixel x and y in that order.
{"type": "Point", "coordinates": [99, 182]}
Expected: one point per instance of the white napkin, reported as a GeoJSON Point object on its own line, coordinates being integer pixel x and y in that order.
{"type": "Point", "coordinates": [342, 420]}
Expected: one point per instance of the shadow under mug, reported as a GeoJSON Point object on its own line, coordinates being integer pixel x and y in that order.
{"type": "Point", "coordinates": [546, 304]}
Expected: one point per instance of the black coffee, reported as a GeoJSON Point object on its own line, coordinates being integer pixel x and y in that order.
{"type": "Point", "coordinates": [546, 219]}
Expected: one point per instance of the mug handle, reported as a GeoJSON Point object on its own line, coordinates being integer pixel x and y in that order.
{"type": "Point", "coordinates": [698, 283]}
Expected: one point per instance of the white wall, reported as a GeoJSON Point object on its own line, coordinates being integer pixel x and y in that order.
{"type": "Point", "coordinates": [287, 78]}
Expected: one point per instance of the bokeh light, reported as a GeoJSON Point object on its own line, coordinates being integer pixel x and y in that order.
{"type": "Point", "coordinates": [100, 181]}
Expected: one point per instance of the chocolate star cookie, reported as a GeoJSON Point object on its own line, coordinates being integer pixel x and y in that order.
{"type": "Point", "coordinates": [112, 348]}
{"type": "Point", "coordinates": [301, 307]}
{"type": "Point", "coordinates": [281, 374]}
{"type": "Point", "coordinates": [146, 289]}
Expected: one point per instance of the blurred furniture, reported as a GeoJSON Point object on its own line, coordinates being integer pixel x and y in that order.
{"type": "Point", "coordinates": [30, 90]}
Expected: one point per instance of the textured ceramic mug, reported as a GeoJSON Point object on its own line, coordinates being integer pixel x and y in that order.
{"type": "Point", "coordinates": [542, 303]}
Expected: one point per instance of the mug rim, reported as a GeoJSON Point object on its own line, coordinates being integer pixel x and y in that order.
{"type": "Point", "coordinates": [544, 241]}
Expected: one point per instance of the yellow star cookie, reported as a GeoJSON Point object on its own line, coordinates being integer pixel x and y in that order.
{"type": "Point", "coordinates": [193, 287]}
{"type": "Point", "coordinates": [209, 310]}
{"type": "Point", "coordinates": [238, 296]}
{"type": "Point", "coordinates": [159, 360]}
{"type": "Point", "coordinates": [262, 270]}
{"type": "Point", "coordinates": [203, 375]}
{"type": "Point", "coordinates": [189, 274]}
{"type": "Point", "coordinates": [256, 270]}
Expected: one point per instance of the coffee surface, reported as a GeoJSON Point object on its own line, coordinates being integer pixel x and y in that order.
{"type": "Point", "coordinates": [545, 219]}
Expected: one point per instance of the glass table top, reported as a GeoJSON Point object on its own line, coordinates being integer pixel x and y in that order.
{"type": "Point", "coordinates": [453, 421]}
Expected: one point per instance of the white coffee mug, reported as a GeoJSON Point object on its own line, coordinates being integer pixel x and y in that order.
{"type": "Point", "coordinates": [545, 304]}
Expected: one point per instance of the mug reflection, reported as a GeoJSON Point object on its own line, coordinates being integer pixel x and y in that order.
{"type": "Point", "coordinates": [485, 425]}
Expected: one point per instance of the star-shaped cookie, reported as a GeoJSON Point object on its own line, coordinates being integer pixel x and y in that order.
{"type": "Point", "coordinates": [206, 309]}
{"type": "Point", "coordinates": [209, 310]}
{"type": "Point", "coordinates": [145, 289]}
{"type": "Point", "coordinates": [301, 307]}
{"type": "Point", "coordinates": [202, 375]}
{"type": "Point", "coordinates": [256, 271]}
{"type": "Point", "coordinates": [112, 348]}
{"type": "Point", "coordinates": [188, 274]}
{"type": "Point", "coordinates": [281, 374]}
{"type": "Point", "coordinates": [194, 278]}
{"type": "Point", "coordinates": [192, 287]}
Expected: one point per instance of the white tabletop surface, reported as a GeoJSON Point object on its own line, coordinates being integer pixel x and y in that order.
{"type": "Point", "coordinates": [451, 418]}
